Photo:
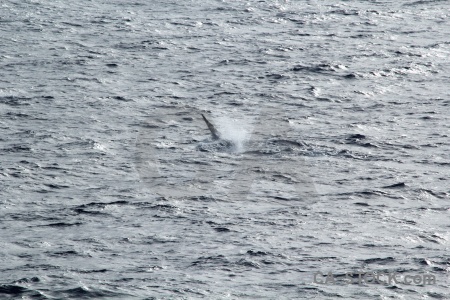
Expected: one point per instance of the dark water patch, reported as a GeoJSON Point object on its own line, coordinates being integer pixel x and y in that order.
{"type": "Point", "coordinates": [352, 154]}
{"type": "Point", "coordinates": [281, 198]}
{"type": "Point", "coordinates": [424, 2]}
{"type": "Point", "coordinates": [211, 261]}
{"type": "Point", "coordinates": [88, 212]}
{"type": "Point", "coordinates": [325, 99]}
{"type": "Point", "coordinates": [433, 238]}
{"type": "Point", "coordinates": [345, 12]}
{"type": "Point", "coordinates": [162, 207]}
{"type": "Point", "coordinates": [17, 149]}
{"type": "Point", "coordinates": [285, 142]}
{"type": "Point", "coordinates": [428, 118]}
{"type": "Point", "coordinates": [399, 185]}
{"type": "Point", "coordinates": [404, 53]}
{"type": "Point", "coordinates": [88, 79]}
{"type": "Point", "coordinates": [16, 115]}
{"type": "Point", "coordinates": [377, 106]}
{"type": "Point", "coordinates": [268, 262]}
{"type": "Point", "coordinates": [410, 222]}
{"type": "Point", "coordinates": [257, 253]}
{"type": "Point", "coordinates": [400, 146]}
{"type": "Point", "coordinates": [63, 253]}
{"type": "Point", "coordinates": [63, 224]}
{"type": "Point", "coordinates": [27, 280]}
{"type": "Point", "coordinates": [410, 146]}
{"type": "Point", "coordinates": [445, 208]}
{"type": "Point", "coordinates": [121, 98]}
{"type": "Point", "coordinates": [223, 93]}
{"type": "Point", "coordinates": [379, 261]}
{"type": "Point", "coordinates": [18, 174]}
{"type": "Point", "coordinates": [318, 68]}
{"type": "Point", "coordinates": [221, 229]}
{"type": "Point", "coordinates": [203, 198]}
{"type": "Point", "coordinates": [15, 100]}
{"type": "Point", "coordinates": [356, 137]}
{"type": "Point", "coordinates": [147, 125]}
{"type": "Point", "coordinates": [298, 21]}
{"type": "Point", "coordinates": [423, 261]}
{"type": "Point", "coordinates": [73, 24]}
{"type": "Point", "coordinates": [226, 8]}
{"type": "Point", "coordinates": [277, 76]}
{"type": "Point", "coordinates": [360, 140]}
{"type": "Point", "coordinates": [43, 191]}
{"type": "Point", "coordinates": [436, 295]}
{"type": "Point", "coordinates": [34, 216]}
{"type": "Point", "coordinates": [85, 208]}
{"type": "Point", "coordinates": [351, 76]}
{"type": "Point", "coordinates": [25, 256]}
{"type": "Point", "coordinates": [134, 46]}
{"type": "Point", "coordinates": [41, 267]}
{"type": "Point", "coordinates": [19, 292]}
{"type": "Point", "coordinates": [91, 271]}
{"type": "Point", "coordinates": [368, 194]}
{"type": "Point", "coordinates": [369, 145]}
{"type": "Point", "coordinates": [53, 166]}
{"type": "Point", "coordinates": [183, 24]}
{"type": "Point", "coordinates": [235, 103]}
{"type": "Point", "coordinates": [85, 143]}
{"type": "Point", "coordinates": [362, 36]}
{"type": "Point", "coordinates": [88, 293]}
{"type": "Point", "coordinates": [56, 186]}
{"type": "Point", "coordinates": [30, 164]}
{"type": "Point", "coordinates": [394, 287]}
{"type": "Point", "coordinates": [317, 258]}
{"type": "Point", "coordinates": [430, 145]}
{"type": "Point", "coordinates": [152, 240]}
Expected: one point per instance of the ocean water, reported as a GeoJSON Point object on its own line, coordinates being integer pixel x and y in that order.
{"type": "Point", "coordinates": [334, 161]}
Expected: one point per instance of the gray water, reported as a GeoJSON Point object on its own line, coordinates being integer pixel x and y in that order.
{"type": "Point", "coordinates": [338, 117]}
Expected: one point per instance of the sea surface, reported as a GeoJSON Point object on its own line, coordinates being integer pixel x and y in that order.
{"type": "Point", "coordinates": [334, 161]}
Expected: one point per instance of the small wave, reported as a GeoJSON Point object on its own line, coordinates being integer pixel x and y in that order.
{"type": "Point", "coordinates": [15, 100]}
{"type": "Point", "coordinates": [14, 291]}
{"type": "Point", "coordinates": [87, 293]}
{"type": "Point", "coordinates": [395, 186]}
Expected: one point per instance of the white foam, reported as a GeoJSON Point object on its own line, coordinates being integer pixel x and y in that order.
{"type": "Point", "coordinates": [236, 130]}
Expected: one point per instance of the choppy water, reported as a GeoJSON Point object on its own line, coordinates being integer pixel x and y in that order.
{"type": "Point", "coordinates": [112, 188]}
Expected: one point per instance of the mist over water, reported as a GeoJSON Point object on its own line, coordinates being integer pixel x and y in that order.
{"type": "Point", "coordinates": [238, 131]}
{"type": "Point", "coordinates": [334, 155]}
